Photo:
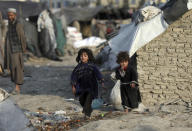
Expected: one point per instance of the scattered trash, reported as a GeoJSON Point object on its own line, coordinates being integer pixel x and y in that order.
{"type": "Point", "coordinates": [97, 103]}
{"type": "Point", "coordinates": [44, 120]}
{"type": "Point", "coordinates": [60, 112]}
{"type": "Point", "coordinates": [3, 95]}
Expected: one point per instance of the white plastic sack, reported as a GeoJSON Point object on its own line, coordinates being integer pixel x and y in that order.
{"type": "Point", "coordinates": [141, 108]}
{"type": "Point", "coordinates": [115, 95]}
{"type": "Point", "coordinates": [89, 42]}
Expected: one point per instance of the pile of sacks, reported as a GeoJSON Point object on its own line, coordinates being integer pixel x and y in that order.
{"type": "Point", "coordinates": [73, 35]}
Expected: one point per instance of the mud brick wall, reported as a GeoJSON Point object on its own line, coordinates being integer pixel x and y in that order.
{"type": "Point", "coordinates": [165, 64]}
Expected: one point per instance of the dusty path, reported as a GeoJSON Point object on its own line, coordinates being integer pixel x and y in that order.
{"type": "Point", "coordinates": [47, 90]}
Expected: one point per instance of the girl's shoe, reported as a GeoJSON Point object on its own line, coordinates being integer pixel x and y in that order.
{"type": "Point", "coordinates": [15, 92]}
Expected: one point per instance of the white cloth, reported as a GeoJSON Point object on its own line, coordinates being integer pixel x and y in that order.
{"type": "Point", "coordinates": [89, 42]}
{"type": "Point", "coordinates": [44, 21]}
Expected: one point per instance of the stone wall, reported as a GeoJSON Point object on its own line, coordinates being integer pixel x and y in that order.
{"type": "Point", "coordinates": [165, 64]}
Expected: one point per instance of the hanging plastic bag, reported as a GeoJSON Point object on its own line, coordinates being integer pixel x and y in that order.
{"type": "Point", "coordinates": [115, 95]}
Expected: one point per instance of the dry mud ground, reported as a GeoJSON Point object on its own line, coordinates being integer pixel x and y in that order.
{"type": "Point", "coordinates": [47, 89]}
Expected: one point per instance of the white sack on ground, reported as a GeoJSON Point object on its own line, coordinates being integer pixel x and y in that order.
{"type": "Point", "coordinates": [12, 118]}
{"type": "Point", "coordinates": [73, 35]}
{"type": "Point", "coordinates": [89, 42]}
{"type": "Point", "coordinates": [131, 37]}
{"type": "Point", "coordinates": [115, 96]}
{"type": "Point", "coordinates": [44, 21]}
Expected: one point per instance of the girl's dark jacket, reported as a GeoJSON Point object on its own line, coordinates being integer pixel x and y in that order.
{"type": "Point", "coordinates": [84, 77]}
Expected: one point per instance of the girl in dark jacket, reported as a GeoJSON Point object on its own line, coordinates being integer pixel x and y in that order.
{"type": "Point", "coordinates": [128, 77]}
{"type": "Point", "coordinates": [84, 80]}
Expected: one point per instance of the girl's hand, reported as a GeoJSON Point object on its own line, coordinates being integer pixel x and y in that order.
{"type": "Point", "coordinates": [132, 85]}
{"type": "Point", "coordinates": [73, 90]}
{"type": "Point", "coordinates": [103, 86]}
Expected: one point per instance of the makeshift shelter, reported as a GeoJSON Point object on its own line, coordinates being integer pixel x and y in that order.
{"type": "Point", "coordinates": [133, 36]}
{"type": "Point", "coordinates": [24, 9]}
{"type": "Point", "coordinates": [60, 35]}
{"type": "Point", "coordinates": [31, 40]}
{"type": "Point", "coordinates": [79, 14]}
{"type": "Point", "coordinates": [52, 37]}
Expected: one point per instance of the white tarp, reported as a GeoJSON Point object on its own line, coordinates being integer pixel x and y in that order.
{"type": "Point", "coordinates": [132, 37]}
{"type": "Point", "coordinates": [89, 42]}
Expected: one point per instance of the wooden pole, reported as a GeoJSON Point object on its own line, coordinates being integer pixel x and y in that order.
{"type": "Point", "coordinates": [61, 4]}
{"type": "Point", "coordinates": [51, 4]}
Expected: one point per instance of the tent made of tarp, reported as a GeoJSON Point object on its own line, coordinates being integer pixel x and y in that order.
{"type": "Point", "coordinates": [79, 14]}
{"type": "Point", "coordinates": [131, 37]}
{"type": "Point", "coordinates": [24, 9]}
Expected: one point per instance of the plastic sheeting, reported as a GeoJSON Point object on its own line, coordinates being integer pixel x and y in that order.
{"type": "Point", "coordinates": [24, 9]}
{"type": "Point", "coordinates": [31, 40]}
{"type": "Point", "coordinates": [89, 42]}
{"type": "Point", "coordinates": [79, 14]}
{"type": "Point", "coordinates": [174, 9]}
{"type": "Point", "coordinates": [60, 37]}
{"type": "Point", "coordinates": [131, 37]}
{"type": "Point", "coordinates": [12, 118]}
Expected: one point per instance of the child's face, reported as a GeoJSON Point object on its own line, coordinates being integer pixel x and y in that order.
{"type": "Point", "coordinates": [84, 57]}
{"type": "Point", "coordinates": [124, 64]}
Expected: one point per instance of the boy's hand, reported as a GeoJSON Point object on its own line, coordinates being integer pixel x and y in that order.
{"type": "Point", "coordinates": [73, 90]}
{"type": "Point", "coordinates": [132, 85]}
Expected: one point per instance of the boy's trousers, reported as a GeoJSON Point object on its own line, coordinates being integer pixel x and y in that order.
{"type": "Point", "coordinates": [129, 96]}
{"type": "Point", "coordinates": [86, 101]}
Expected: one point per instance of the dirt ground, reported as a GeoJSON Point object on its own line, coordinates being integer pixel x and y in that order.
{"type": "Point", "coordinates": [47, 88]}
